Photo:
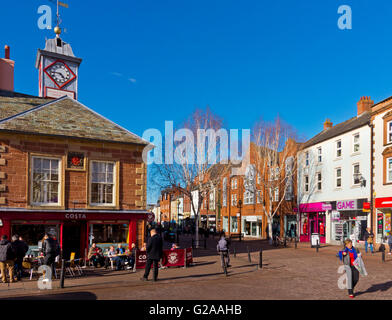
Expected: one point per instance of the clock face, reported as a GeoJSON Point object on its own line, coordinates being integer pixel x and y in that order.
{"type": "Point", "coordinates": [60, 73]}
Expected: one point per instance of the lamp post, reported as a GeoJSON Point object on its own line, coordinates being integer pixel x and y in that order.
{"type": "Point", "coordinates": [239, 206]}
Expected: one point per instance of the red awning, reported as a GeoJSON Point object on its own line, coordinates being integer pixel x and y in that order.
{"type": "Point", "coordinates": [384, 202]}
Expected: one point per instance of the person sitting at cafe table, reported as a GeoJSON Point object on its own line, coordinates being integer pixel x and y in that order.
{"type": "Point", "coordinates": [144, 247]}
{"type": "Point", "coordinates": [120, 249]}
{"type": "Point", "coordinates": [112, 254]}
{"type": "Point", "coordinates": [131, 254]}
{"type": "Point", "coordinates": [175, 246]}
{"type": "Point", "coordinates": [95, 255]}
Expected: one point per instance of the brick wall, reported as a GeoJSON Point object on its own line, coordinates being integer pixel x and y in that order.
{"type": "Point", "coordinates": [14, 169]}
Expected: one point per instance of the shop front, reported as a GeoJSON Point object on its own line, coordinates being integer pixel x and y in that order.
{"type": "Point", "coordinates": [290, 225]}
{"type": "Point", "coordinates": [252, 226]}
{"type": "Point", "coordinates": [313, 220]}
{"type": "Point", "coordinates": [348, 221]}
{"type": "Point", "coordinates": [384, 214]}
{"type": "Point", "coordinates": [76, 230]}
{"type": "Point", "coordinates": [212, 222]}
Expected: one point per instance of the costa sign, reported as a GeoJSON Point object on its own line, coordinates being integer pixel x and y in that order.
{"type": "Point", "coordinates": [346, 205]}
{"type": "Point", "coordinates": [75, 216]}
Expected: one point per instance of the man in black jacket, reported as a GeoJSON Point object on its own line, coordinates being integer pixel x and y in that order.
{"type": "Point", "coordinates": [7, 257]}
{"type": "Point", "coordinates": [50, 249]}
{"type": "Point", "coordinates": [154, 254]}
{"type": "Point", "coordinates": [20, 251]}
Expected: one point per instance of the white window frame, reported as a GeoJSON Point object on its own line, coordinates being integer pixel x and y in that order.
{"type": "Point", "coordinates": [388, 170]}
{"type": "Point", "coordinates": [307, 158]}
{"type": "Point", "coordinates": [234, 200]}
{"type": "Point", "coordinates": [319, 181]}
{"type": "Point", "coordinates": [114, 198]}
{"type": "Point", "coordinates": [234, 184]}
{"type": "Point", "coordinates": [336, 178]}
{"type": "Point", "coordinates": [357, 143]}
{"type": "Point", "coordinates": [276, 194]}
{"type": "Point", "coordinates": [319, 155]}
{"type": "Point", "coordinates": [249, 197]}
{"type": "Point", "coordinates": [306, 183]}
{"type": "Point", "coordinates": [60, 178]}
{"type": "Point", "coordinates": [259, 196]}
{"type": "Point", "coordinates": [353, 172]}
{"type": "Point", "coordinates": [339, 149]}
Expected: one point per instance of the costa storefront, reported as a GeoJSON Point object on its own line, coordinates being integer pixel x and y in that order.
{"type": "Point", "coordinates": [313, 220]}
{"type": "Point", "coordinates": [383, 212]}
{"type": "Point", "coordinates": [75, 230]}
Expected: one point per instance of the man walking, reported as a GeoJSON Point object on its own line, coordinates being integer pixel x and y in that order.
{"type": "Point", "coordinates": [7, 257]}
{"type": "Point", "coordinates": [154, 254]}
{"type": "Point", "coordinates": [50, 249]}
{"type": "Point", "coordinates": [20, 251]}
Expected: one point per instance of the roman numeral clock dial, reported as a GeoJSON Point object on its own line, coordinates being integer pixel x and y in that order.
{"type": "Point", "coordinates": [60, 73]}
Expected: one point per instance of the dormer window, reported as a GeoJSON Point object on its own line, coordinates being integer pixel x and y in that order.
{"type": "Point", "coordinates": [59, 42]}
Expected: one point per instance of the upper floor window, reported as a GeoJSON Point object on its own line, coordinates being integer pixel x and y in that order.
{"type": "Point", "coordinates": [338, 148]}
{"type": "Point", "coordinates": [306, 178]}
{"type": "Point", "coordinates": [102, 183]}
{"type": "Point", "coordinates": [356, 144]}
{"type": "Point", "coordinates": [233, 200]}
{"type": "Point", "coordinates": [389, 132]}
{"type": "Point", "coordinates": [319, 181]}
{"type": "Point", "coordinates": [389, 170]}
{"type": "Point", "coordinates": [45, 181]}
{"type": "Point", "coordinates": [338, 177]}
{"type": "Point", "coordinates": [319, 155]}
{"type": "Point", "coordinates": [249, 197]}
{"type": "Point", "coordinates": [212, 201]}
{"type": "Point", "coordinates": [276, 194]}
{"type": "Point", "coordinates": [234, 184]}
{"type": "Point", "coordinates": [259, 196]}
{"type": "Point", "coordinates": [307, 158]}
{"type": "Point", "coordinates": [356, 174]}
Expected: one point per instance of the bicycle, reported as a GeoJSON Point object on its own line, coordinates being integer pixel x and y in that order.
{"type": "Point", "coordinates": [224, 255]}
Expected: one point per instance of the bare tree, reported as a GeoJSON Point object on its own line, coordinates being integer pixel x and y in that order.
{"type": "Point", "coordinates": [274, 157]}
{"type": "Point", "coordinates": [195, 171]}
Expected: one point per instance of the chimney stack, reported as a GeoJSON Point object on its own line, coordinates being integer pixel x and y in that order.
{"type": "Point", "coordinates": [7, 71]}
{"type": "Point", "coordinates": [328, 124]}
{"type": "Point", "coordinates": [364, 105]}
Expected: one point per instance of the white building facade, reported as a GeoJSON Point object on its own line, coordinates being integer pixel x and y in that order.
{"type": "Point", "coordinates": [334, 181]}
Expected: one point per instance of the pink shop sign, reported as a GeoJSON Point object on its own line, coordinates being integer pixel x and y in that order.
{"type": "Point", "coordinates": [346, 205]}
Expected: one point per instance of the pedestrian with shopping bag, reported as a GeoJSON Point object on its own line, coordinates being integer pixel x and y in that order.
{"type": "Point", "coordinates": [353, 264]}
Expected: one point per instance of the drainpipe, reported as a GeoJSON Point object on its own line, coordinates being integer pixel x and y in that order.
{"type": "Point", "coordinates": [371, 176]}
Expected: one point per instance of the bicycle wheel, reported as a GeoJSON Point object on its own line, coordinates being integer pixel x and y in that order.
{"type": "Point", "coordinates": [223, 263]}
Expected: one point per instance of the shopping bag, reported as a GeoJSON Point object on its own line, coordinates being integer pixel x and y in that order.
{"type": "Point", "coordinates": [360, 266]}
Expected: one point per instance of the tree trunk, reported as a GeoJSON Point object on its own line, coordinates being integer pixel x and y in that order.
{"type": "Point", "coordinates": [197, 231]}
{"type": "Point", "coordinates": [269, 228]}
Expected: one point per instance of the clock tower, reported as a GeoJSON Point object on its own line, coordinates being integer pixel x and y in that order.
{"type": "Point", "coordinates": [58, 69]}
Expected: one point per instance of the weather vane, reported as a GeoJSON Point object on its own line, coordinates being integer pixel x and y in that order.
{"type": "Point", "coordinates": [57, 29]}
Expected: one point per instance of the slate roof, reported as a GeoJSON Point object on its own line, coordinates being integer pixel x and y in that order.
{"type": "Point", "coordinates": [63, 117]}
{"type": "Point", "coordinates": [346, 126]}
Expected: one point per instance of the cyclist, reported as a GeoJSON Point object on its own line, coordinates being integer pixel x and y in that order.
{"type": "Point", "coordinates": [223, 248]}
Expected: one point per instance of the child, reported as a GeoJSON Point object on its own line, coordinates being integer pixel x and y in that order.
{"type": "Point", "coordinates": [348, 256]}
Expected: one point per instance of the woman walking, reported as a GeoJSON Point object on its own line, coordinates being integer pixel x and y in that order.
{"type": "Point", "coordinates": [348, 256]}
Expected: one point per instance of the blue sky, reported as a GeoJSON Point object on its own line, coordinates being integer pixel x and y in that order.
{"type": "Point", "coordinates": [145, 62]}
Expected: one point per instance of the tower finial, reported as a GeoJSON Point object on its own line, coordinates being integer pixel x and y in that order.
{"type": "Point", "coordinates": [57, 29]}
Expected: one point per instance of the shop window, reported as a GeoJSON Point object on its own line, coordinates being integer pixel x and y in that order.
{"type": "Point", "coordinates": [304, 224]}
{"type": "Point", "coordinates": [356, 144]}
{"type": "Point", "coordinates": [338, 177]}
{"type": "Point", "coordinates": [234, 224]}
{"type": "Point", "coordinates": [32, 234]}
{"type": "Point", "coordinates": [102, 183]}
{"type": "Point", "coordinates": [338, 148]}
{"type": "Point", "coordinates": [110, 233]}
{"type": "Point", "coordinates": [45, 187]}
{"type": "Point", "coordinates": [319, 181]}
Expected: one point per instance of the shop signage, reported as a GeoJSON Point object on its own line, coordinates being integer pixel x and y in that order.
{"type": "Point", "coordinates": [75, 216]}
{"type": "Point", "coordinates": [170, 258]}
{"type": "Point", "coordinates": [384, 202]}
{"type": "Point", "coordinates": [346, 205]}
{"type": "Point", "coordinates": [150, 217]}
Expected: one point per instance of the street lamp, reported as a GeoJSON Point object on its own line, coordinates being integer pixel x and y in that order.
{"type": "Point", "coordinates": [239, 206]}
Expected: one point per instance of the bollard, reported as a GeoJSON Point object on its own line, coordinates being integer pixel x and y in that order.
{"type": "Point", "coordinates": [295, 243]}
{"type": "Point", "coordinates": [261, 258]}
{"type": "Point", "coordinates": [205, 243]}
{"type": "Point", "coordinates": [184, 258]}
{"type": "Point", "coordinates": [62, 273]}
{"type": "Point", "coordinates": [192, 244]}
{"type": "Point", "coordinates": [234, 252]}
{"type": "Point", "coordinates": [249, 258]}
{"type": "Point", "coordinates": [317, 246]}
{"type": "Point", "coordinates": [285, 242]}
{"type": "Point", "coordinates": [85, 257]}
{"type": "Point", "coordinates": [382, 253]}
